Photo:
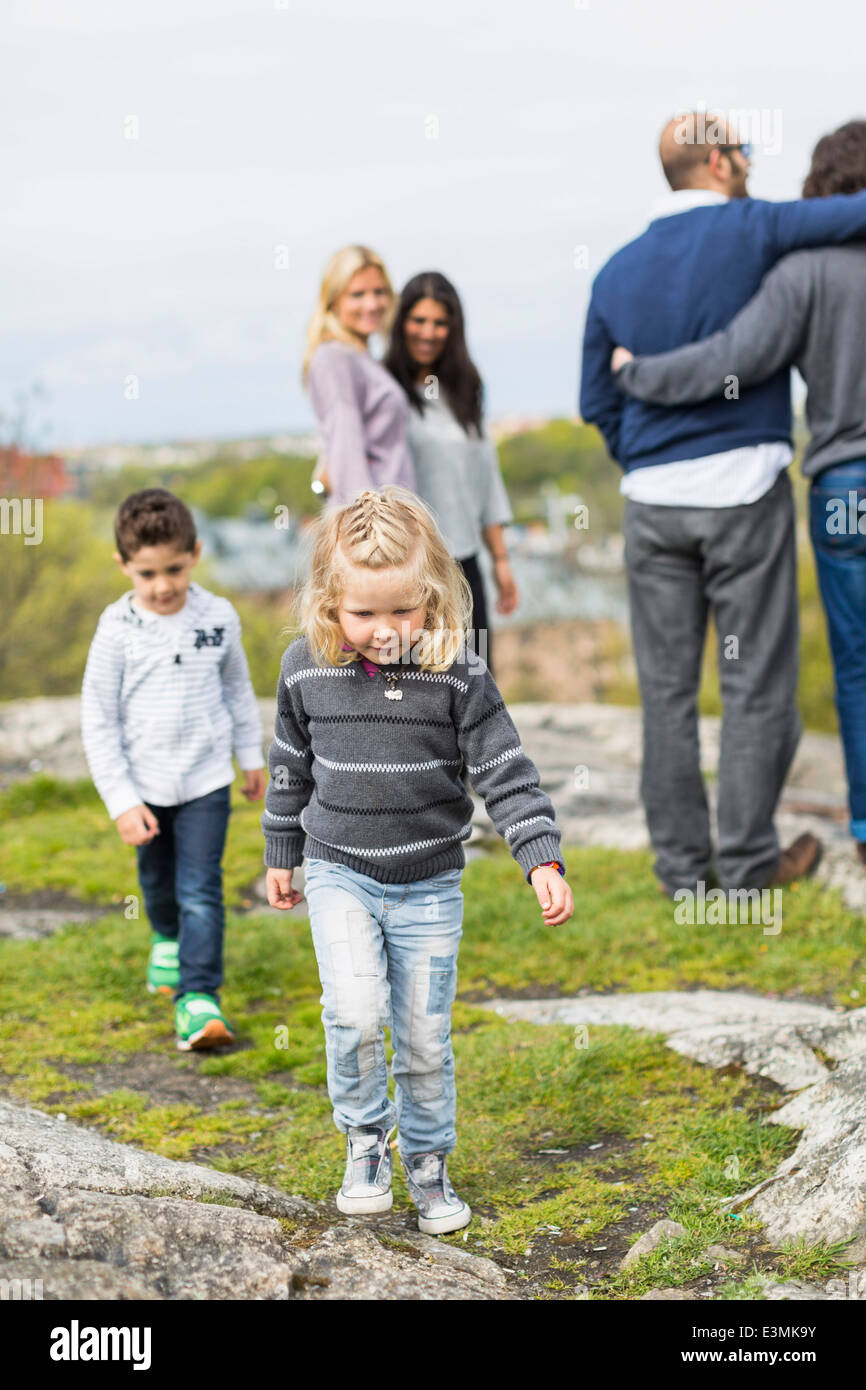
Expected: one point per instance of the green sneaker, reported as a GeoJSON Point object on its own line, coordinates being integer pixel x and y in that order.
{"type": "Point", "coordinates": [163, 971]}
{"type": "Point", "coordinates": [199, 1023]}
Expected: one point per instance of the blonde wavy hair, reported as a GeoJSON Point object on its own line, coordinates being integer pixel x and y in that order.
{"type": "Point", "coordinates": [325, 326]}
{"type": "Point", "coordinates": [380, 530]}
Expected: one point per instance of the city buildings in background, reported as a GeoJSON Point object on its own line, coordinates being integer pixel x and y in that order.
{"type": "Point", "coordinates": [184, 453]}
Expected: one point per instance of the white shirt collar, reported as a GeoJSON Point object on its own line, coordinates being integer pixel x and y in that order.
{"type": "Point", "coordinates": [683, 200]}
{"type": "Point", "coordinates": [148, 615]}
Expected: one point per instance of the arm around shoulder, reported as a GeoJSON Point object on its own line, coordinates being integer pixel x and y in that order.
{"type": "Point", "coordinates": [765, 336]}
{"type": "Point", "coordinates": [816, 221]}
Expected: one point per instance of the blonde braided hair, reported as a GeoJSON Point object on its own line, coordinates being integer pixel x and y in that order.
{"type": "Point", "coordinates": [379, 530]}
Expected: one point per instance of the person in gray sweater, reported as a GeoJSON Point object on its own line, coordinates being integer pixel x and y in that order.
{"type": "Point", "coordinates": [810, 311]}
{"type": "Point", "coordinates": [380, 707]}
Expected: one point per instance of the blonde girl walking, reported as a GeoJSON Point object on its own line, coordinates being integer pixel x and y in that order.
{"type": "Point", "coordinates": [381, 706]}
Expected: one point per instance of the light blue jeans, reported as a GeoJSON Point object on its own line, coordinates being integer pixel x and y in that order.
{"type": "Point", "coordinates": [387, 955]}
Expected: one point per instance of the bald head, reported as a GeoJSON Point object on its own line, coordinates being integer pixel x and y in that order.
{"type": "Point", "coordinates": [686, 150]}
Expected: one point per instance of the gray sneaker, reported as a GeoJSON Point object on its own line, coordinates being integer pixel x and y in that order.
{"type": "Point", "coordinates": [440, 1210]}
{"type": "Point", "coordinates": [367, 1181]}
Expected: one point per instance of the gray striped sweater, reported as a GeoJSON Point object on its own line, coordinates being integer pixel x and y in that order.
{"type": "Point", "coordinates": [376, 784]}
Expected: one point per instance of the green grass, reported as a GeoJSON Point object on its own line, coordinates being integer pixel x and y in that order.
{"type": "Point", "coordinates": [669, 1126]}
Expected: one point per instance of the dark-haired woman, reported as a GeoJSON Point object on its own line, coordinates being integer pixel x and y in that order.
{"type": "Point", "coordinates": [810, 311]}
{"type": "Point", "coordinates": [456, 466]}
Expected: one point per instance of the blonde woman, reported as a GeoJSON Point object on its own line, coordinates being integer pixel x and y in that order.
{"type": "Point", "coordinates": [361, 411]}
{"type": "Point", "coordinates": [380, 705]}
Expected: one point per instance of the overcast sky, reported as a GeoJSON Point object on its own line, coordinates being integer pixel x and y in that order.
{"type": "Point", "coordinates": [306, 124]}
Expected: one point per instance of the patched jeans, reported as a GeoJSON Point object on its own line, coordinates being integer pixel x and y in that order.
{"type": "Point", "coordinates": [387, 955]}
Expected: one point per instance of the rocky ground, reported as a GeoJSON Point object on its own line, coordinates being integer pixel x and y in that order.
{"type": "Point", "coordinates": [82, 1217]}
{"type": "Point", "coordinates": [96, 1219]}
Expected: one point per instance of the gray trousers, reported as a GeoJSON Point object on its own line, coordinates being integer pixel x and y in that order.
{"type": "Point", "coordinates": [741, 563]}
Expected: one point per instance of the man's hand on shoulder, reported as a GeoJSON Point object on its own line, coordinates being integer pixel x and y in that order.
{"type": "Point", "coordinates": [619, 358]}
{"type": "Point", "coordinates": [137, 826]}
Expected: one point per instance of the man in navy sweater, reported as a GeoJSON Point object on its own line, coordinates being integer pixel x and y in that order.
{"type": "Point", "coordinates": [709, 522]}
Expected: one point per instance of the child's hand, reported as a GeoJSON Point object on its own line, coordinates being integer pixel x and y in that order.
{"type": "Point", "coordinates": [554, 895]}
{"type": "Point", "coordinates": [255, 781]}
{"type": "Point", "coordinates": [280, 890]}
{"type": "Point", "coordinates": [137, 826]}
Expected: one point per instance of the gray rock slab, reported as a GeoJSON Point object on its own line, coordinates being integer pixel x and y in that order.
{"type": "Point", "coordinates": [820, 1190]}
{"type": "Point", "coordinates": [44, 731]}
{"type": "Point", "coordinates": [451, 1256]}
{"type": "Point", "coordinates": [84, 1217]}
{"type": "Point", "coordinates": [657, 1235]}
{"type": "Point", "coordinates": [767, 1037]}
{"type": "Point", "coordinates": [32, 923]}
{"type": "Point", "coordinates": [722, 1256]}
{"type": "Point", "coordinates": [49, 1154]}
{"type": "Point", "coordinates": [179, 1248]}
{"type": "Point", "coordinates": [794, 1291]}
{"type": "Point", "coordinates": [91, 1280]}
{"type": "Point", "coordinates": [348, 1262]}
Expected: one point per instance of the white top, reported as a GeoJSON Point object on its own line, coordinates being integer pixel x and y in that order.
{"type": "Point", "coordinates": [458, 476]}
{"type": "Point", "coordinates": [165, 699]}
{"type": "Point", "coordinates": [729, 479]}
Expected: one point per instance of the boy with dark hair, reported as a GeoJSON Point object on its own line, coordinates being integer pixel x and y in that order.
{"type": "Point", "coordinates": [166, 697]}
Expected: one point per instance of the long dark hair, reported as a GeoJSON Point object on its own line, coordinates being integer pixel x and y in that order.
{"type": "Point", "coordinates": [838, 162]}
{"type": "Point", "coordinates": [457, 374]}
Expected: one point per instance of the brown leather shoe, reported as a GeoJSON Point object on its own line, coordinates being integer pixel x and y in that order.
{"type": "Point", "coordinates": [797, 861]}
{"type": "Point", "coordinates": [861, 853]}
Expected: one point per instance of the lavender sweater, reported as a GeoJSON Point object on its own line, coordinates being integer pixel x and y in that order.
{"type": "Point", "coordinates": [363, 418]}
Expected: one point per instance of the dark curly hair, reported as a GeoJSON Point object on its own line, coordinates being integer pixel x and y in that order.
{"type": "Point", "coordinates": [153, 516]}
{"type": "Point", "coordinates": [838, 162]}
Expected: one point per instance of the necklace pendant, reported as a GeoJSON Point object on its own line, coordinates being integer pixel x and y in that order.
{"type": "Point", "coordinates": [393, 694]}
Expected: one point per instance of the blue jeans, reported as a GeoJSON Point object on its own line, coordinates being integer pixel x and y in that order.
{"type": "Point", "coordinates": [838, 530]}
{"type": "Point", "coordinates": [387, 955]}
{"type": "Point", "coordinates": [181, 878]}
